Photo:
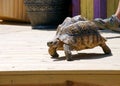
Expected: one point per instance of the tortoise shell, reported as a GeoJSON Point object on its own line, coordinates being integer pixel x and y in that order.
{"type": "Point", "coordinates": [80, 35]}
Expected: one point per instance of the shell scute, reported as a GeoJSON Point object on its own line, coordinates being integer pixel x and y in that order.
{"type": "Point", "coordinates": [82, 33]}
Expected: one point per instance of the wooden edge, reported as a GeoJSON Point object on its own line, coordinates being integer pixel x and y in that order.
{"type": "Point", "coordinates": [4, 18]}
{"type": "Point", "coordinates": [65, 72]}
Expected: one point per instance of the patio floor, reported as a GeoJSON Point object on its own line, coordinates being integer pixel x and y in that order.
{"type": "Point", "coordinates": [24, 49]}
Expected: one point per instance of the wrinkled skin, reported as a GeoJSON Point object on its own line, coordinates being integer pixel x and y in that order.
{"type": "Point", "coordinates": [76, 34]}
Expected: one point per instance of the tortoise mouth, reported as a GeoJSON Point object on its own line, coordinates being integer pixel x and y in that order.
{"type": "Point", "coordinates": [50, 43]}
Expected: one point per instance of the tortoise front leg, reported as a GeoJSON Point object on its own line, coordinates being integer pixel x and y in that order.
{"type": "Point", "coordinates": [67, 50]}
{"type": "Point", "coordinates": [53, 52]}
{"type": "Point", "coordinates": [105, 48]}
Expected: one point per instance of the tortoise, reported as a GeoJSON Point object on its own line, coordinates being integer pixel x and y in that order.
{"type": "Point", "coordinates": [76, 35]}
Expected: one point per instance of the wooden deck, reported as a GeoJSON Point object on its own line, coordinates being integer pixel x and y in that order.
{"type": "Point", "coordinates": [24, 60]}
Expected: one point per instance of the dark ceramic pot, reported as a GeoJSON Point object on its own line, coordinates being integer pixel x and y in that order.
{"type": "Point", "coordinates": [46, 13]}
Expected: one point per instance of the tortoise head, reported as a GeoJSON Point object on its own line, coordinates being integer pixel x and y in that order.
{"type": "Point", "coordinates": [53, 43]}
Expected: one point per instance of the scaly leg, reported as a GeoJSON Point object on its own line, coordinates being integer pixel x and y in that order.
{"type": "Point", "coordinates": [105, 48]}
{"type": "Point", "coordinates": [67, 51]}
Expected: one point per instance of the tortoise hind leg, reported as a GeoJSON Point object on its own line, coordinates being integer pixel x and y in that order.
{"type": "Point", "coordinates": [105, 48]}
{"type": "Point", "coordinates": [67, 50]}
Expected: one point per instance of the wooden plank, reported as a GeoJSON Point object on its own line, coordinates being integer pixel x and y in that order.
{"type": "Point", "coordinates": [90, 9]}
{"type": "Point", "coordinates": [1, 6]}
{"type": "Point", "coordinates": [84, 8]}
{"type": "Point", "coordinates": [111, 7]}
{"type": "Point", "coordinates": [21, 11]}
{"type": "Point", "coordinates": [98, 78]}
{"type": "Point", "coordinates": [100, 9]}
{"type": "Point", "coordinates": [116, 4]}
{"type": "Point", "coordinates": [75, 7]}
{"type": "Point", "coordinates": [87, 8]}
{"type": "Point", "coordinates": [9, 7]}
{"type": "Point", "coordinates": [13, 9]}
